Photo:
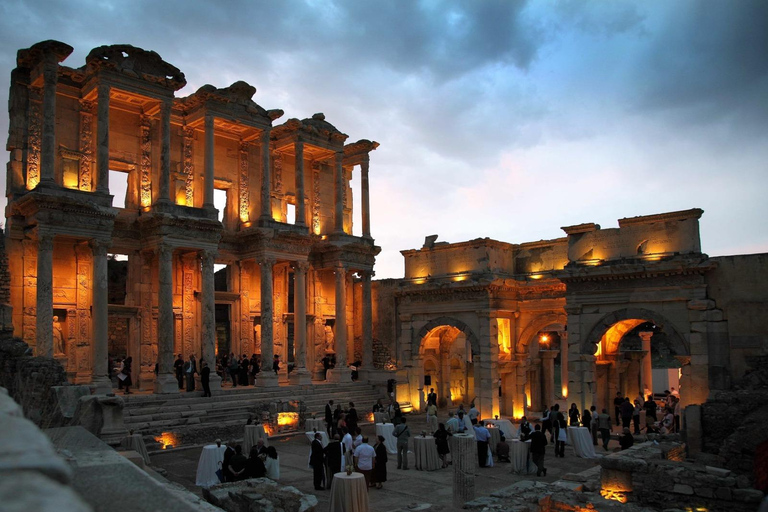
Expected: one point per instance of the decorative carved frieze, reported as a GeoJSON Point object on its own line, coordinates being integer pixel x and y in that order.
{"type": "Point", "coordinates": [145, 162]}
{"type": "Point", "coordinates": [316, 198]}
{"type": "Point", "coordinates": [277, 174]}
{"type": "Point", "coordinates": [86, 146]}
{"type": "Point", "coordinates": [189, 165]}
{"type": "Point", "coordinates": [35, 132]}
{"type": "Point", "coordinates": [244, 199]}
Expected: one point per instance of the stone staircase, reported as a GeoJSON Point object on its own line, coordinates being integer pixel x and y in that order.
{"type": "Point", "coordinates": [154, 414]}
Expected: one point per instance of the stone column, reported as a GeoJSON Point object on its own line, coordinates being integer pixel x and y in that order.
{"type": "Point", "coordinates": [338, 217]}
{"type": "Point", "coordinates": [686, 381]}
{"type": "Point", "coordinates": [464, 457]}
{"type": "Point", "coordinates": [634, 373]}
{"type": "Point", "coordinates": [209, 318]}
{"type": "Point", "coordinates": [267, 377]}
{"type": "Point", "coordinates": [646, 379]}
{"type": "Point", "coordinates": [165, 382]}
{"type": "Point", "coordinates": [445, 378]}
{"type": "Point", "coordinates": [534, 383]}
{"type": "Point", "coordinates": [548, 370]}
{"type": "Point", "coordinates": [365, 198]}
{"type": "Point", "coordinates": [44, 298]}
{"type": "Point", "coordinates": [300, 212]}
{"type": "Point", "coordinates": [102, 140]}
{"type": "Point", "coordinates": [340, 326]}
{"type": "Point", "coordinates": [165, 152]}
{"type": "Point", "coordinates": [100, 320]}
{"type": "Point", "coordinates": [208, 169]}
{"type": "Point", "coordinates": [367, 321]}
{"type": "Point", "coordinates": [564, 364]}
{"type": "Point", "coordinates": [48, 143]}
{"type": "Point", "coordinates": [300, 374]}
{"type": "Point", "coordinates": [266, 178]}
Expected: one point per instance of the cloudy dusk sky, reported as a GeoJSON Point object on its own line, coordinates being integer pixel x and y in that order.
{"type": "Point", "coordinates": [496, 119]}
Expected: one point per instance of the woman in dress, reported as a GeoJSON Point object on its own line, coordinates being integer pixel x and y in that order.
{"type": "Point", "coordinates": [380, 468]}
{"type": "Point", "coordinates": [441, 440]}
{"type": "Point", "coordinates": [574, 416]}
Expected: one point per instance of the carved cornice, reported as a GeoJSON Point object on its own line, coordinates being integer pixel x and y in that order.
{"type": "Point", "coordinates": [135, 63]}
{"type": "Point", "coordinates": [315, 127]}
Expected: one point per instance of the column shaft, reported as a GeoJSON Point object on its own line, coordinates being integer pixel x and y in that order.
{"type": "Point", "coordinates": [102, 140]}
{"type": "Point", "coordinates": [646, 380]}
{"type": "Point", "coordinates": [341, 317]}
{"type": "Point", "coordinates": [100, 320]}
{"type": "Point", "coordinates": [300, 374]}
{"type": "Point", "coordinates": [209, 162]}
{"type": "Point", "coordinates": [564, 364]}
{"type": "Point", "coordinates": [367, 322]}
{"type": "Point", "coordinates": [365, 199]}
{"type": "Point", "coordinates": [44, 299]}
{"type": "Point", "coordinates": [267, 377]}
{"type": "Point", "coordinates": [165, 151]}
{"type": "Point", "coordinates": [300, 212]}
{"type": "Point", "coordinates": [209, 319]}
{"type": "Point", "coordinates": [266, 178]}
{"type": "Point", "coordinates": [338, 218]}
{"type": "Point", "coordinates": [48, 143]}
{"type": "Point", "coordinates": [165, 382]}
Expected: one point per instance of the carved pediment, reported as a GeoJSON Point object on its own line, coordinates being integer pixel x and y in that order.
{"type": "Point", "coordinates": [136, 63]}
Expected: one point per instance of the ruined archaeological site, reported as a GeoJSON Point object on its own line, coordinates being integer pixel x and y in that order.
{"type": "Point", "coordinates": [116, 255]}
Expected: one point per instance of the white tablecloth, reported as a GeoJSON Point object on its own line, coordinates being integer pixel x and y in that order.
{"type": "Point", "coordinates": [495, 437]}
{"type": "Point", "coordinates": [425, 453]}
{"type": "Point", "coordinates": [581, 440]}
{"type": "Point", "coordinates": [349, 493]}
{"type": "Point", "coordinates": [315, 423]}
{"type": "Point", "coordinates": [380, 417]}
{"type": "Point", "coordinates": [208, 464]}
{"type": "Point", "coordinates": [505, 426]}
{"type": "Point", "coordinates": [324, 437]}
{"type": "Point", "coordinates": [390, 441]}
{"type": "Point", "coordinates": [519, 454]}
{"type": "Point", "coordinates": [251, 436]}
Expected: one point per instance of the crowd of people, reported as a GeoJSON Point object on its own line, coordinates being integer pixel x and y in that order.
{"type": "Point", "coordinates": [262, 461]}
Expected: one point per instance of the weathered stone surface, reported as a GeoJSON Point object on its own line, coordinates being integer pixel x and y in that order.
{"type": "Point", "coordinates": [27, 491]}
{"type": "Point", "coordinates": [24, 448]}
{"type": "Point", "coordinates": [259, 495]}
{"type": "Point", "coordinates": [103, 416]}
{"type": "Point", "coordinates": [67, 399]}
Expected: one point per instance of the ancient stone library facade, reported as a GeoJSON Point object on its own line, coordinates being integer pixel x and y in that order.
{"type": "Point", "coordinates": [116, 248]}
{"type": "Point", "coordinates": [517, 327]}
{"type": "Point", "coordinates": [100, 270]}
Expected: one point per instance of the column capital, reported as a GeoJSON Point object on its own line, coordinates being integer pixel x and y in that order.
{"type": "Point", "coordinates": [99, 246]}
{"type": "Point", "coordinates": [266, 260]}
{"type": "Point", "coordinates": [340, 267]}
{"type": "Point", "coordinates": [366, 274]}
{"type": "Point", "coordinates": [300, 266]}
{"type": "Point", "coordinates": [164, 250]}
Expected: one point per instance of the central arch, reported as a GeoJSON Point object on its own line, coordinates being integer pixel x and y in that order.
{"type": "Point", "coordinates": [447, 348]}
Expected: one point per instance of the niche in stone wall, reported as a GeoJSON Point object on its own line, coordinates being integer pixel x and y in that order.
{"type": "Point", "coordinates": [60, 332]}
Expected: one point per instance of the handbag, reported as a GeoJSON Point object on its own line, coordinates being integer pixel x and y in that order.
{"type": "Point", "coordinates": [562, 436]}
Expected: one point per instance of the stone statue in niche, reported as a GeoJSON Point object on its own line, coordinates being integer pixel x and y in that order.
{"type": "Point", "coordinates": [329, 340]}
{"type": "Point", "coordinates": [58, 337]}
{"type": "Point", "coordinates": [257, 338]}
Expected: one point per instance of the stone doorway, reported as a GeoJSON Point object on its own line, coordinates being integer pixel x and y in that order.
{"type": "Point", "coordinates": [223, 330]}
{"type": "Point", "coordinates": [447, 361]}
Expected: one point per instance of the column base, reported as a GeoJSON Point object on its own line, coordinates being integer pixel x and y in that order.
{"type": "Point", "coordinates": [101, 385]}
{"type": "Point", "coordinates": [300, 377]}
{"type": "Point", "coordinates": [334, 375]}
{"type": "Point", "coordinates": [166, 383]}
{"type": "Point", "coordinates": [266, 379]}
{"type": "Point", "coordinates": [214, 382]}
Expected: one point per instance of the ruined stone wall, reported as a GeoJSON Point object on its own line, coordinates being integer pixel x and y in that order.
{"type": "Point", "coordinates": [481, 255]}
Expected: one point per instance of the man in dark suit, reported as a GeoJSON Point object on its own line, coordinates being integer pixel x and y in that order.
{"type": "Point", "coordinates": [432, 397]}
{"type": "Point", "coordinates": [538, 442]}
{"type": "Point", "coordinates": [178, 365]}
{"type": "Point", "coordinates": [333, 459]}
{"type": "Point", "coordinates": [317, 461]}
{"type": "Point", "coordinates": [331, 427]}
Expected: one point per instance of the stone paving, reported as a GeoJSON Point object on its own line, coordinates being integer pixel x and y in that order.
{"type": "Point", "coordinates": [402, 488]}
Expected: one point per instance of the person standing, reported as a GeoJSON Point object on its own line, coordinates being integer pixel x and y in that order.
{"type": "Point", "coordinates": [224, 368]}
{"type": "Point", "coordinates": [574, 418]}
{"type": "Point", "coordinates": [473, 413]}
{"type": "Point", "coordinates": [593, 424]}
{"type": "Point", "coordinates": [402, 433]}
{"type": "Point", "coordinates": [482, 436]}
{"type": "Point", "coordinates": [431, 417]}
{"type": "Point", "coordinates": [432, 397]}
{"type": "Point", "coordinates": [333, 456]}
{"type": "Point", "coordinates": [636, 416]}
{"type": "Point", "coordinates": [525, 429]}
{"type": "Point", "coordinates": [604, 425]}
{"type": "Point", "coordinates": [559, 423]}
{"type": "Point", "coordinates": [190, 369]}
{"type": "Point", "coordinates": [452, 425]}
{"type": "Point", "coordinates": [276, 363]}
{"type": "Point", "coordinates": [617, 407]}
{"type": "Point", "coordinates": [380, 466]}
{"type": "Point", "coordinates": [329, 422]}
{"type": "Point", "coordinates": [538, 444]}
{"type": "Point", "coordinates": [317, 461]}
{"type": "Point", "coordinates": [650, 408]}
{"type": "Point", "coordinates": [127, 381]}
{"type": "Point", "coordinates": [586, 419]}
{"type": "Point", "coordinates": [178, 366]}
{"type": "Point", "coordinates": [627, 410]}
{"type": "Point", "coordinates": [546, 423]}
{"type": "Point", "coordinates": [205, 376]}
{"type": "Point", "coordinates": [441, 440]}
{"type": "Point", "coordinates": [352, 418]}
{"type": "Point", "coordinates": [365, 455]}
{"type": "Point", "coordinates": [254, 367]}
{"type": "Point", "coordinates": [233, 369]}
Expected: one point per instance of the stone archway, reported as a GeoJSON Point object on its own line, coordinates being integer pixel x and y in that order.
{"type": "Point", "coordinates": [628, 372]}
{"type": "Point", "coordinates": [536, 382]}
{"type": "Point", "coordinates": [443, 342]}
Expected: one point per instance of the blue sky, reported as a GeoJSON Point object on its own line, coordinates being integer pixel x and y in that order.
{"type": "Point", "coordinates": [496, 118]}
